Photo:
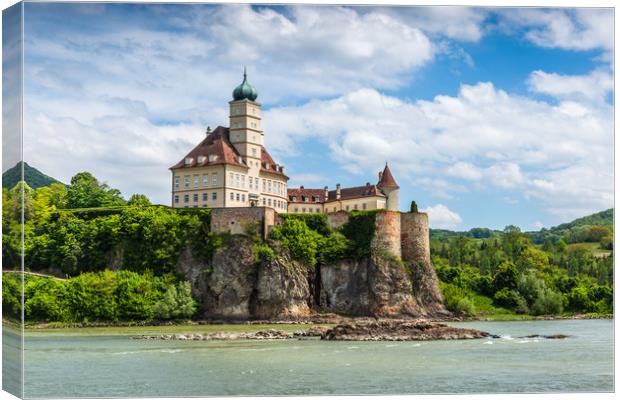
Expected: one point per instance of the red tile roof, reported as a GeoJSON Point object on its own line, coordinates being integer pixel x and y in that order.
{"type": "Point", "coordinates": [318, 194]}
{"type": "Point", "coordinates": [268, 165]}
{"type": "Point", "coordinates": [387, 180]}
{"type": "Point", "coordinates": [356, 192]}
{"type": "Point", "coordinates": [345, 194]}
{"type": "Point", "coordinates": [217, 144]}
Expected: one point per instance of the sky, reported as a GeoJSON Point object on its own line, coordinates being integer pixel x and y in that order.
{"type": "Point", "coordinates": [487, 117]}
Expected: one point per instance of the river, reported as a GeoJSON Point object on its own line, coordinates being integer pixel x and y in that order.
{"type": "Point", "coordinates": [77, 365]}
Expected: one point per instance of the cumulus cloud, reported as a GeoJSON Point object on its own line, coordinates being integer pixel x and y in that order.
{"type": "Point", "coordinates": [594, 86]}
{"type": "Point", "coordinates": [440, 216]}
{"type": "Point", "coordinates": [573, 29]}
{"type": "Point", "coordinates": [530, 148]}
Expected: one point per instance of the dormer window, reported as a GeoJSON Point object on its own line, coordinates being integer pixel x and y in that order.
{"type": "Point", "coordinates": [240, 160]}
{"type": "Point", "coordinates": [294, 198]}
{"type": "Point", "coordinates": [201, 159]}
{"type": "Point", "coordinates": [212, 157]}
{"type": "Point", "coordinates": [188, 160]}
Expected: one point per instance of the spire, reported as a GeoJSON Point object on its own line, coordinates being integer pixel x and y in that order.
{"type": "Point", "coordinates": [387, 180]}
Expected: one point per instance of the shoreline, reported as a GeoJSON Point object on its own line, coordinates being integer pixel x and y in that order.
{"type": "Point", "coordinates": [210, 326]}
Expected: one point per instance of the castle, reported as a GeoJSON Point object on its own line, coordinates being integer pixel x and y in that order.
{"type": "Point", "coordinates": [231, 168]}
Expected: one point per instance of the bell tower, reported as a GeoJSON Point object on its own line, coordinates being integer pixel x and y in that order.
{"type": "Point", "coordinates": [246, 133]}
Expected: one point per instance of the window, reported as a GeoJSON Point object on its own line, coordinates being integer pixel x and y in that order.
{"type": "Point", "coordinates": [201, 159]}
{"type": "Point", "coordinates": [243, 181]}
{"type": "Point", "coordinates": [304, 199]}
{"type": "Point", "coordinates": [318, 210]}
{"type": "Point", "coordinates": [195, 197]}
{"type": "Point", "coordinates": [303, 209]}
{"type": "Point", "coordinates": [296, 209]}
{"type": "Point", "coordinates": [186, 182]}
{"type": "Point", "coordinates": [256, 183]}
{"type": "Point", "coordinates": [214, 196]}
{"type": "Point", "coordinates": [243, 197]}
{"type": "Point", "coordinates": [205, 180]}
{"type": "Point", "coordinates": [269, 202]}
{"type": "Point", "coordinates": [188, 160]}
{"type": "Point", "coordinates": [347, 208]}
{"type": "Point", "coordinates": [238, 180]}
{"type": "Point", "coordinates": [364, 206]}
{"type": "Point", "coordinates": [355, 207]}
{"type": "Point", "coordinates": [176, 182]}
{"type": "Point", "coordinates": [264, 185]}
{"type": "Point", "coordinates": [269, 186]}
{"type": "Point", "coordinates": [205, 196]}
{"type": "Point", "coordinates": [254, 151]}
{"type": "Point", "coordinates": [176, 199]}
{"type": "Point", "coordinates": [212, 157]}
{"type": "Point", "coordinates": [186, 198]}
{"type": "Point", "coordinates": [231, 177]}
{"type": "Point", "coordinates": [293, 198]}
{"type": "Point", "coordinates": [195, 181]}
{"type": "Point", "coordinates": [250, 182]}
{"type": "Point", "coordinates": [232, 196]}
{"type": "Point", "coordinates": [264, 201]}
{"type": "Point", "coordinates": [214, 180]}
{"type": "Point", "coordinates": [195, 206]}
{"type": "Point", "coordinates": [237, 196]}
{"type": "Point", "coordinates": [310, 209]}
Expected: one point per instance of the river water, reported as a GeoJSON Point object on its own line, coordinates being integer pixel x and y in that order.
{"type": "Point", "coordinates": [115, 366]}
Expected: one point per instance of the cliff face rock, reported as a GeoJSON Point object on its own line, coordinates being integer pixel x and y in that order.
{"type": "Point", "coordinates": [374, 286]}
{"type": "Point", "coordinates": [426, 289]}
{"type": "Point", "coordinates": [282, 289]}
{"type": "Point", "coordinates": [230, 283]}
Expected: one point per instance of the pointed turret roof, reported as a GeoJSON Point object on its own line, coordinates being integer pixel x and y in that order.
{"type": "Point", "coordinates": [387, 180]}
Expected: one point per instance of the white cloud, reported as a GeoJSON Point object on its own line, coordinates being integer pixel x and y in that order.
{"type": "Point", "coordinates": [594, 86]}
{"type": "Point", "coordinates": [573, 29]}
{"type": "Point", "coordinates": [458, 23]}
{"type": "Point", "coordinates": [442, 217]}
{"type": "Point", "coordinates": [530, 148]}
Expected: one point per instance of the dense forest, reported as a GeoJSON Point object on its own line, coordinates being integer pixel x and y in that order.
{"type": "Point", "coordinates": [74, 231]}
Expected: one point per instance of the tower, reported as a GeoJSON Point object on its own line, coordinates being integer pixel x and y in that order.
{"type": "Point", "coordinates": [387, 184]}
{"type": "Point", "coordinates": [245, 124]}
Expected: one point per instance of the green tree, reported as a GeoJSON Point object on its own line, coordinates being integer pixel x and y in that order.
{"type": "Point", "coordinates": [139, 200]}
{"type": "Point", "coordinates": [85, 191]}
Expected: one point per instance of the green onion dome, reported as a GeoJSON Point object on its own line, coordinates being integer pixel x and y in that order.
{"type": "Point", "coordinates": [245, 90]}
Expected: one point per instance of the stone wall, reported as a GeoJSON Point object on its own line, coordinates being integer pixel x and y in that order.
{"type": "Point", "coordinates": [238, 220]}
{"type": "Point", "coordinates": [414, 236]}
{"type": "Point", "coordinates": [387, 236]}
{"type": "Point", "coordinates": [337, 219]}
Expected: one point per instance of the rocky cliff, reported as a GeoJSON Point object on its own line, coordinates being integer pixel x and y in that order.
{"type": "Point", "coordinates": [234, 285]}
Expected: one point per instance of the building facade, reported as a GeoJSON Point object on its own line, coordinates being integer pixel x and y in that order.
{"type": "Point", "coordinates": [382, 195]}
{"type": "Point", "coordinates": [231, 167]}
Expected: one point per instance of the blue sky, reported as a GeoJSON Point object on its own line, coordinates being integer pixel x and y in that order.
{"type": "Point", "coordinates": [488, 117]}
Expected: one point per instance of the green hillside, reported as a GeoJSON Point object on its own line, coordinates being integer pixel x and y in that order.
{"type": "Point", "coordinates": [33, 177]}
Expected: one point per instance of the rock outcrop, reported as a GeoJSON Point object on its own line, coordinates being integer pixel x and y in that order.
{"type": "Point", "coordinates": [373, 286]}
{"type": "Point", "coordinates": [282, 289]}
{"type": "Point", "coordinates": [400, 331]}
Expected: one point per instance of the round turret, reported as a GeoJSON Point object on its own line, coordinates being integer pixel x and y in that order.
{"type": "Point", "coordinates": [245, 90]}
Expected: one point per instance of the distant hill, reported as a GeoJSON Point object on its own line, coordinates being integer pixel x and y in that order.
{"type": "Point", "coordinates": [568, 230]}
{"type": "Point", "coordinates": [33, 177]}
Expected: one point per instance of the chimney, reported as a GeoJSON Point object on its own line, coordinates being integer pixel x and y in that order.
{"type": "Point", "coordinates": [326, 193]}
{"type": "Point", "coordinates": [208, 130]}
{"type": "Point", "coordinates": [337, 191]}
{"type": "Point", "coordinates": [367, 183]}
{"type": "Point", "coordinates": [301, 187]}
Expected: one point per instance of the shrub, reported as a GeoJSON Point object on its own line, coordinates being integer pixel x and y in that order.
{"type": "Point", "coordinates": [46, 300]}
{"type": "Point", "coordinates": [12, 295]}
{"type": "Point", "coordinates": [91, 297]}
{"type": "Point", "coordinates": [578, 300]}
{"type": "Point", "coordinates": [332, 248]}
{"type": "Point", "coordinates": [509, 298]}
{"type": "Point", "coordinates": [466, 306]}
{"type": "Point", "coordinates": [263, 253]}
{"type": "Point", "coordinates": [548, 302]}
{"type": "Point", "coordinates": [176, 303]}
{"type": "Point", "coordinates": [301, 241]}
